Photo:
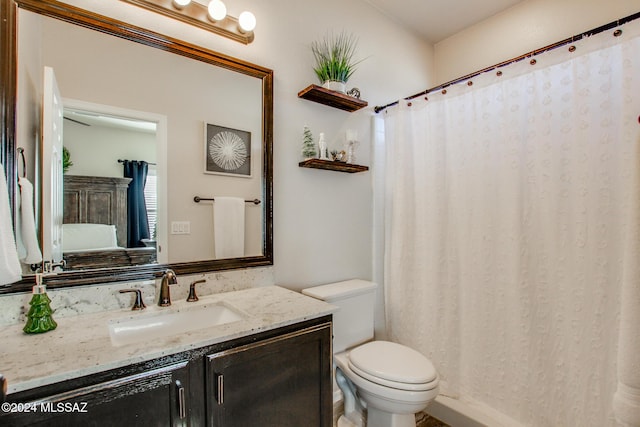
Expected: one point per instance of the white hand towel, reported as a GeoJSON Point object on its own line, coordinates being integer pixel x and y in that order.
{"type": "Point", "coordinates": [228, 227]}
{"type": "Point", "coordinates": [27, 237]}
{"type": "Point", "coordinates": [10, 270]}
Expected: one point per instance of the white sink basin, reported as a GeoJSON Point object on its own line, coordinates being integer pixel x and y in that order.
{"type": "Point", "coordinates": [146, 327]}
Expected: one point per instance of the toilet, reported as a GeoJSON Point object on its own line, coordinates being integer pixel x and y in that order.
{"type": "Point", "coordinates": [388, 382]}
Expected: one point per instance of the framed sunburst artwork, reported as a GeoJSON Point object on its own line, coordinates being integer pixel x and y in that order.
{"type": "Point", "coordinates": [227, 151]}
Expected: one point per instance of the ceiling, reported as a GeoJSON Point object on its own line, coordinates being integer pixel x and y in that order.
{"type": "Point", "coordinates": [89, 118]}
{"type": "Point", "coordinates": [435, 20]}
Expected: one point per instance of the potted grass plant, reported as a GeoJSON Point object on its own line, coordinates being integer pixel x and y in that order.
{"type": "Point", "coordinates": [335, 60]}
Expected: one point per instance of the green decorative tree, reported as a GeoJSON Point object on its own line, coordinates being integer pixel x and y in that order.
{"type": "Point", "coordinates": [66, 160]}
{"type": "Point", "coordinates": [308, 146]}
{"type": "Point", "coordinates": [39, 317]}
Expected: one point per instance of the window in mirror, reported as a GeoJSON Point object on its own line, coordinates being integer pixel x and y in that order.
{"type": "Point", "coordinates": [151, 201]}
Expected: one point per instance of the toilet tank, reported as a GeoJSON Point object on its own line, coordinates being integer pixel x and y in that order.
{"type": "Point", "coordinates": [354, 321]}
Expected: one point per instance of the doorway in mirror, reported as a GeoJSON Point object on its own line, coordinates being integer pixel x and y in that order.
{"type": "Point", "coordinates": [103, 203]}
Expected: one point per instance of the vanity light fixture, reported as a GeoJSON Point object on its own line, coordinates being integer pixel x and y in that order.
{"type": "Point", "coordinates": [181, 3]}
{"type": "Point", "coordinates": [212, 17]}
{"type": "Point", "coordinates": [217, 10]}
{"type": "Point", "coordinates": [247, 22]}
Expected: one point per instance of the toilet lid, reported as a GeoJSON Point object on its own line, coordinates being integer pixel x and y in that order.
{"type": "Point", "coordinates": [392, 362]}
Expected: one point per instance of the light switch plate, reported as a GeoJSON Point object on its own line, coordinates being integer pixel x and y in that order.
{"type": "Point", "coordinates": [180, 227]}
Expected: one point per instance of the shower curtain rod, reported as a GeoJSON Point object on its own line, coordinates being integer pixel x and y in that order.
{"type": "Point", "coordinates": [566, 41]}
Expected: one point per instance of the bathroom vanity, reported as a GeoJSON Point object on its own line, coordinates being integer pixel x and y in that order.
{"type": "Point", "coordinates": [272, 367]}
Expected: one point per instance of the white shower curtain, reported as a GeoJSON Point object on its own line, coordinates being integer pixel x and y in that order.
{"type": "Point", "coordinates": [511, 231]}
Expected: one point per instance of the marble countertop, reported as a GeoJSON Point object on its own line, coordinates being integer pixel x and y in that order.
{"type": "Point", "coordinates": [81, 345]}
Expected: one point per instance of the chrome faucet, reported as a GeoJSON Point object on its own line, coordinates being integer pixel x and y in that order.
{"type": "Point", "coordinates": [168, 278]}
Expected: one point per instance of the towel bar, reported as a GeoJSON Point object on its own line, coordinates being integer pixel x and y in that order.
{"type": "Point", "coordinates": [197, 199]}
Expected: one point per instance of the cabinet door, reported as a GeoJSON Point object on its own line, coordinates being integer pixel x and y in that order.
{"type": "Point", "coordinates": [283, 381]}
{"type": "Point", "coordinates": [153, 398]}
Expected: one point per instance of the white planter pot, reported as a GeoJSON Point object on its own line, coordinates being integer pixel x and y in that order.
{"type": "Point", "coordinates": [335, 85]}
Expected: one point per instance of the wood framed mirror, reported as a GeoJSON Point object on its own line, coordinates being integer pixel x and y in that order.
{"type": "Point", "coordinates": [202, 59]}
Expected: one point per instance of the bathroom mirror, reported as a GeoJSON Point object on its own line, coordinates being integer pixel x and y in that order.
{"type": "Point", "coordinates": [244, 107]}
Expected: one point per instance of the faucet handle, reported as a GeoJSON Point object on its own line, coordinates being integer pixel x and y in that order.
{"type": "Point", "coordinates": [192, 290]}
{"type": "Point", "coordinates": [139, 303]}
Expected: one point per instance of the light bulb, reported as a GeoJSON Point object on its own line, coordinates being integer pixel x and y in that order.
{"type": "Point", "coordinates": [247, 21]}
{"type": "Point", "coordinates": [217, 10]}
{"type": "Point", "coordinates": [181, 3]}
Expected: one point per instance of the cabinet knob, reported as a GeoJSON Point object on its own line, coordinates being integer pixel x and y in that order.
{"type": "Point", "coordinates": [139, 303]}
{"type": "Point", "coordinates": [192, 290]}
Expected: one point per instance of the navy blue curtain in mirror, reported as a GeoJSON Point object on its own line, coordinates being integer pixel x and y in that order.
{"type": "Point", "coordinates": [137, 221]}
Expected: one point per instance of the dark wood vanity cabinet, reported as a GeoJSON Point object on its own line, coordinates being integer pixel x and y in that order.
{"type": "Point", "coordinates": [275, 378]}
{"type": "Point", "coordinates": [155, 397]}
{"type": "Point", "coordinates": [272, 383]}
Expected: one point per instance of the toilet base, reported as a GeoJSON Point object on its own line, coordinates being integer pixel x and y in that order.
{"type": "Point", "coordinates": [378, 418]}
{"type": "Point", "coordinates": [343, 421]}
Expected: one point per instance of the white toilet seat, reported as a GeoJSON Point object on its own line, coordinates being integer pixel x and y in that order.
{"type": "Point", "coordinates": [393, 384]}
{"type": "Point", "coordinates": [414, 399]}
{"type": "Point", "coordinates": [393, 365]}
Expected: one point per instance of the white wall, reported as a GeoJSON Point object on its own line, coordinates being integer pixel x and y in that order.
{"type": "Point", "coordinates": [95, 150]}
{"type": "Point", "coordinates": [323, 219]}
{"type": "Point", "coordinates": [525, 27]}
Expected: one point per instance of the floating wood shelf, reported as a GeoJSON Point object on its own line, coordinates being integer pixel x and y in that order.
{"type": "Point", "coordinates": [332, 98]}
{"type": "Point", "coordinates": [332, 166]}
